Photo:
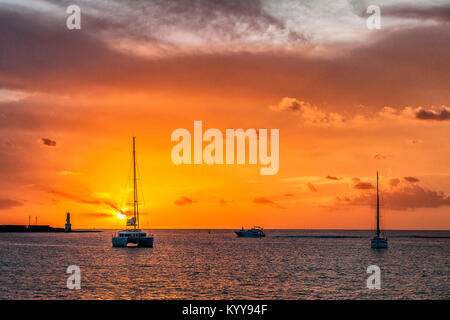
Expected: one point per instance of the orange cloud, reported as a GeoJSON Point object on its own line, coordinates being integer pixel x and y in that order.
{"type": "Point", "coordinates": [400, 197]}
{"type": "Point", "coordinates": [81, 200]}
{"type": "Point", "coordinates": [308, 113]}
{"type": "Point", "coordinates": [263, 200]}
{"type": "Point", "coordinates": [411, 179]}
{"type": "Point", "coordinates": [183, 201]}
{"type": "Point", "coordinates": [358, 184]}
{"type": "Point", "coordinates": [9, 203]}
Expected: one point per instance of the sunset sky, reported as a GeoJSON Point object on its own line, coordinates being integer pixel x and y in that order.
{"type": "Point", "coordinates": [348, 101]}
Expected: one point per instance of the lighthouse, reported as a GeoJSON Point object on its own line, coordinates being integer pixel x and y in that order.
{"type": "Point", "coordinates": [68, 227]}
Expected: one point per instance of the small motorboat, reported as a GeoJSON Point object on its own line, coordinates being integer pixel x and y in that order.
{"type": "Point", "coordinates": [255, 232]}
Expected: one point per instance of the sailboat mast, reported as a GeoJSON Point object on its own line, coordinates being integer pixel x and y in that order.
{"type": "Point", "coordinates": [135, 195]}
{"type": "Point", "coordinates": [378, 210]}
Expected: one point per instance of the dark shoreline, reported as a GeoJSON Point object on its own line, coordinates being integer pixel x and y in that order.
{"type": "Point", "coordinates": [40, 229]}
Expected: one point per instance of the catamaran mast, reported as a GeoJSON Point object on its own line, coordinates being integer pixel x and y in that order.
{"type": "Point", "coordinates": [378, 210]}
{"type": "Point", "coordinates": [135, 194]}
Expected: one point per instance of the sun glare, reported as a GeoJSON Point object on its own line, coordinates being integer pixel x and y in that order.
{"type": "Point", "coordinates": [121, 216]}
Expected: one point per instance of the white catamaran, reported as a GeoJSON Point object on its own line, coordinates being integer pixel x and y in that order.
{"type": "Point", "coordinates": [379, 242]}
{"type": "Point", "coordinates": [135, 235]}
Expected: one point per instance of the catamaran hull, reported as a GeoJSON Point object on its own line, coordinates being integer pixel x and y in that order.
{"type": "Point", "coordinates": [244, 234]}
{"type": "Point", "coordinates": [121, 242]}
{"type": "Point", "coordinates": [379, 243]}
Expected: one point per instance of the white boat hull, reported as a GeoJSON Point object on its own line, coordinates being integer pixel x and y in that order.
{"type": "Point", "coordinates": [246, 234]}
{"type": "Point", "coordinates": [146, 242]}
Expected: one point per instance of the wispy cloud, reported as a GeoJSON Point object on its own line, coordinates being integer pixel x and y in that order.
{"type": "Point", "coordinates": [98, 214]}
{"type": "Point", "coordinates": [308, 113]}
{"type": "Point", "coordinates": [266, 201]}
{"type": "Point", "coordinates": [93, 201]}
{"type": "Point", "coordinates": [183, 201]}
{"type": "Point", "coordinates": [6, 203]}
{"type": "Point", "coordinates": [69, 173]}
{"type": "Point", "coordinates": [411, 179]}
{"type": "Point", "coordinates": [8, 95]}
{"type": "Point", "coordinates": [361, 185]}
{"type": "Point", "coordinates": [164, 28]}
{"type": "Point", "coordinates": [400, 196]}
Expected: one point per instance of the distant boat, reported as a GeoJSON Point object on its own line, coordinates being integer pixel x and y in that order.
{"type": "Point", "coordinates": [135, 235]}
{"type": "Point", "coordinates": [379, 242]}
{"type": "Point", "coordinates": [255, 232]}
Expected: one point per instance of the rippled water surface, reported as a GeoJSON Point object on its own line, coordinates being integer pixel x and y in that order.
{"type": "Point", "coordinates": [195, 264]}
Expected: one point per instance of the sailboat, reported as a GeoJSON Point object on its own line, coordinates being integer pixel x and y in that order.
{"type": "Point", "coordinates": [133, 235]}
{"type": "Point", "coordinates": [379, 242]}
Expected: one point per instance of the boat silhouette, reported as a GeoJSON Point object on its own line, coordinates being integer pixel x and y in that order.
{"type": "Point", "coordinates": [135, 235]}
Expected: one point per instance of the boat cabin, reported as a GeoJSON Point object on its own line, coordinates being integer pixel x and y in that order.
{"type": "Point", "coordinates": [131, 234]}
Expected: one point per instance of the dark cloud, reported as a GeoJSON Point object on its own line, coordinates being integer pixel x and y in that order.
{"type": "Point", "coordinates": [363, 185]}
{"type": "Point", "coordinates": [403, 197]}
{"type": "Point", "coordinates": [183, 201]}
{"type": "Point", "coordinates": [332, 178]}
{"type": "Point", "coordinates": [411, 179]}
{"type": "Point", "coordinates": [360, 185]}
{"type": "Point", "coordinates": [47, 50]}
{"type": "Point", "coordinates": [159, 23]}
{"type": "Point", "coordinates": [439, 13]}
{"type": "Point", "coordinates": [63, 61]}
{"type": "Point", "coordinates": [441, 114]}
{"type": "Point", "coordinates": [9, 203]}
{"type": "Point", "coordinates": [212, 9]}
{"type": "Point", "coordinates": [223, 201]}
{"type": "Point", "coordinates": [48, 142]}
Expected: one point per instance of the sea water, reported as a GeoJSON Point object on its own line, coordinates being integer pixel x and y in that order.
{"type": "Point", "coordinates": [215, 264]}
